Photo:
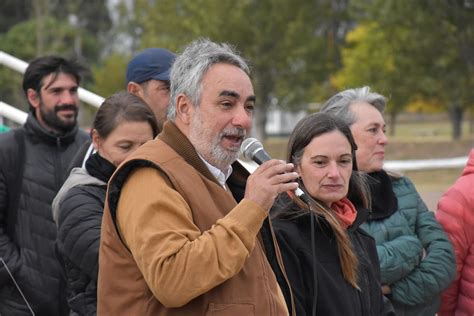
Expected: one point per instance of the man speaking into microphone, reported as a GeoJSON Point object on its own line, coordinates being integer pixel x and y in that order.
{"type": "Point", "coordinates": [177, 239]}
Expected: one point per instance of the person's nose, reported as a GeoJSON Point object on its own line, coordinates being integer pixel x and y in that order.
{"type": "Point", "coordinates": [69, 97]}
{"type": "Point", "coordinates": [333, 170]}
{"type": "Point", "coordinates": [383, 140]}
{"type": "Point", "coordinates": [242, 117]}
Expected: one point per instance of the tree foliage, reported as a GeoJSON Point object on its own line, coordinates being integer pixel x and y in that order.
{"type": "Point", "coordinates": [73, 29]}
{"type": "Point", "coordinates": [409, 48]}
{"type": "Point", "coordinates": [285, 41]}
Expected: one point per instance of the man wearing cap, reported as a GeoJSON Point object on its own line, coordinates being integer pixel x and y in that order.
{"type": "Point", "coordinates": [148, 76]}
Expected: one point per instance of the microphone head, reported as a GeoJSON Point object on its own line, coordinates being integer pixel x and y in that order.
{"type": "Point", "coordinates": [250, 146]}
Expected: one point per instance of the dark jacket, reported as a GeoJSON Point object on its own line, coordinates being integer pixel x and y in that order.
{"type": "Point", "coordinates": [416, 257]}
{"type": "Point", "coordinates": [27, 232]}
{"type": "Point", "coordinates": [335, 296]}
{"type": "Point", "coordinates": [79, 211]}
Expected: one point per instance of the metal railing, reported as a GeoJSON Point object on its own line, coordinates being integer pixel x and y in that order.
{"type": "Point", "coordinates": [20, 66]}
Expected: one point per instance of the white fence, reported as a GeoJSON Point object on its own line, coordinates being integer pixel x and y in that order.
{"type": "Point", "coordinates": [19, 117]}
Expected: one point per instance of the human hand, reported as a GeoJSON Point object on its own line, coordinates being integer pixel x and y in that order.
{"type": "Point", "coordinates": [270, 179]}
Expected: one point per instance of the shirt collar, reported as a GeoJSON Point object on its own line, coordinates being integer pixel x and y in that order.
{"type": "Point", "coordinates": [220, 175]}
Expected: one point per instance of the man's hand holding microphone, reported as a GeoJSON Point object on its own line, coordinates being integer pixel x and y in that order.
{"type": "Point", "coordinates": [271, 178]}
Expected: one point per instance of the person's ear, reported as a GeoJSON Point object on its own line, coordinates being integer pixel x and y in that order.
{"type": "Point", "coordinates": [184, 109]}
{"type": "Point", "coordinates": [135, 88]}
{"type": "Point", "coordinates": [96, 141]}
{"type": "Point", "coordinates": [33, 98]}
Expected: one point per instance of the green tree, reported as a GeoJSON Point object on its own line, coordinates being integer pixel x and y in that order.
{"type": "Point", "coordinates": [20, 41]}
{"type": "Point", "coordinates": [419, 48]}
{"type": "Point", "coordinates": [74, 29]}
{"type": "Point", "coordinates": [285, 41]}
{"type": "Point", "coordinates": [110, 77]}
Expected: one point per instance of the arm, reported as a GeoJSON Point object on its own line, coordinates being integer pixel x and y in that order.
{"type": "Point", "coordinates": [8, 250]}
{"type": "Point", "coordinates": [450, 215]}
{"type": "Point", "coordinates": [398, 257]}
{"type": "Point", "coordinates": [79, 227]}
{"type": "Point", "coordinates": [177, 260]}
{"type": "Point", "coordinates": [436, 270]}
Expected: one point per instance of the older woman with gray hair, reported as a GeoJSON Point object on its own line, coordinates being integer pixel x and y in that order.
{"type": "Point", "coordinates": [416, 258]}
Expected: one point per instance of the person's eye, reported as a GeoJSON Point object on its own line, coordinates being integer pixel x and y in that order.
{"type": "Point", "coordinates": [372, 130]}
{"type": "Point", "coordinates": [319, 163]}
{"type": "Point", "coordinates": [125, 147]}
{"type": "Point", "coordinates": [250, 108]}
{"type": "Point", "coordinates": [345, 161]}
{"type": "Point", "coordinates": [226, 104]}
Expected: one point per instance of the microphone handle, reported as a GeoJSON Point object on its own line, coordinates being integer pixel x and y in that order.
{"type": "Point", "coordinates": [261, 156]}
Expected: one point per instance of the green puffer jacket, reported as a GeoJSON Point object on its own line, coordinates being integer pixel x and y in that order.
{"type": "Point", "coordinates": [416, 257]}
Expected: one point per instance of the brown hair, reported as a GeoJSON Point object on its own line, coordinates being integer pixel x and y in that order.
{"type": "Point", "coordinates": [119, 107]}
{"type": "Point", "coordinates": [305, 131]}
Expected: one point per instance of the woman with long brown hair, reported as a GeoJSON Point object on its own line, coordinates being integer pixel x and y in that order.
{"type": "Point", "coordinates": [331, 263]}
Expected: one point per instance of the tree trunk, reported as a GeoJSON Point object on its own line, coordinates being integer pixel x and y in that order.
{"type": "Point", "coordinates": [392, 123]}
{"type": "Point", "coordinates": [263, 89]}
{"type": "Point", "coordinates": [456, 113]}
{"type": "Point", "coordinates": [40, 7]}
{"type": "Point", "coordinates": [260, 121]}
{"type": "Point", "coordinates": [471, 121]}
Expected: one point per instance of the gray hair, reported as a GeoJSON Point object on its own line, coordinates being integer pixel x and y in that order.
{"type": "Point", "coordinates": [340, 103]}
{"type": "Point", "coordinates": [190, 66]}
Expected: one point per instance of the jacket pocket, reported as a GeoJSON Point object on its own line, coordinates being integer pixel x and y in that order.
{"type": "Point", "coordinates": [238, 309]}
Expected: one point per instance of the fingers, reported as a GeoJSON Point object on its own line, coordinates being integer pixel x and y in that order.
{"type": "Point", "coordinates": [270, 179]}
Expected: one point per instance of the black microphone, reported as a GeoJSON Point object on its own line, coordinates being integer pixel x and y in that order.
{"type": "Point", "coordinates": [252, 149]}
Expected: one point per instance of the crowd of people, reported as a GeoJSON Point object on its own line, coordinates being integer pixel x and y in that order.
{"type": "Point", "coordinates": [152, 212]}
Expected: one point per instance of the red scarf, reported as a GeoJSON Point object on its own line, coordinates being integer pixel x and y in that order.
{"type": "Point", "coordinates": [345, 211]}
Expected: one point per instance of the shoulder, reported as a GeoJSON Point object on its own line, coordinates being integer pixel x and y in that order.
{"type": "Point", "coordinates": [459, 198]}
{"type": "Point", "coordinates": [9, 150]}
{"type": "Point", "coordinates": [402, 182]}
{"type": "Point", "coordinates": [80, 200]}
{"type": "Point", "coordinates": [82, 195]}
{"type": "Point", "coordinates": [82, 136]}
{"type": "Point", "coordinates": [291, 234]}
{"type": "Point", "coordinates": [405, 191]}
{"type": "Point", "coordinates": [287, 229]}
{"type": "Point", "coordinates": [8, 141]}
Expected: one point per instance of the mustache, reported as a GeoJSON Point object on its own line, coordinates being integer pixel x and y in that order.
{"type": "Point", "coordinates": [234, 131]}
{"type": "Point", "coordinates": [61, 107]}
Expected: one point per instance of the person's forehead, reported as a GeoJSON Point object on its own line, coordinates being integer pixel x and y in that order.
{"type": "Point", "coordinates": [60, 79]}
{"type": "Point", "coordinates": [224, 74]}
{"type": "Point", "coordinates": [365, 112]}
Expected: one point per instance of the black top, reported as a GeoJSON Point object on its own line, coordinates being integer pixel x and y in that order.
{"type": "Point", "coordinates": [28, 233]}
{"type": "Point", "coordinates": [335, 296]}
{"type": "Point", "coordinates": [78, 238]}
